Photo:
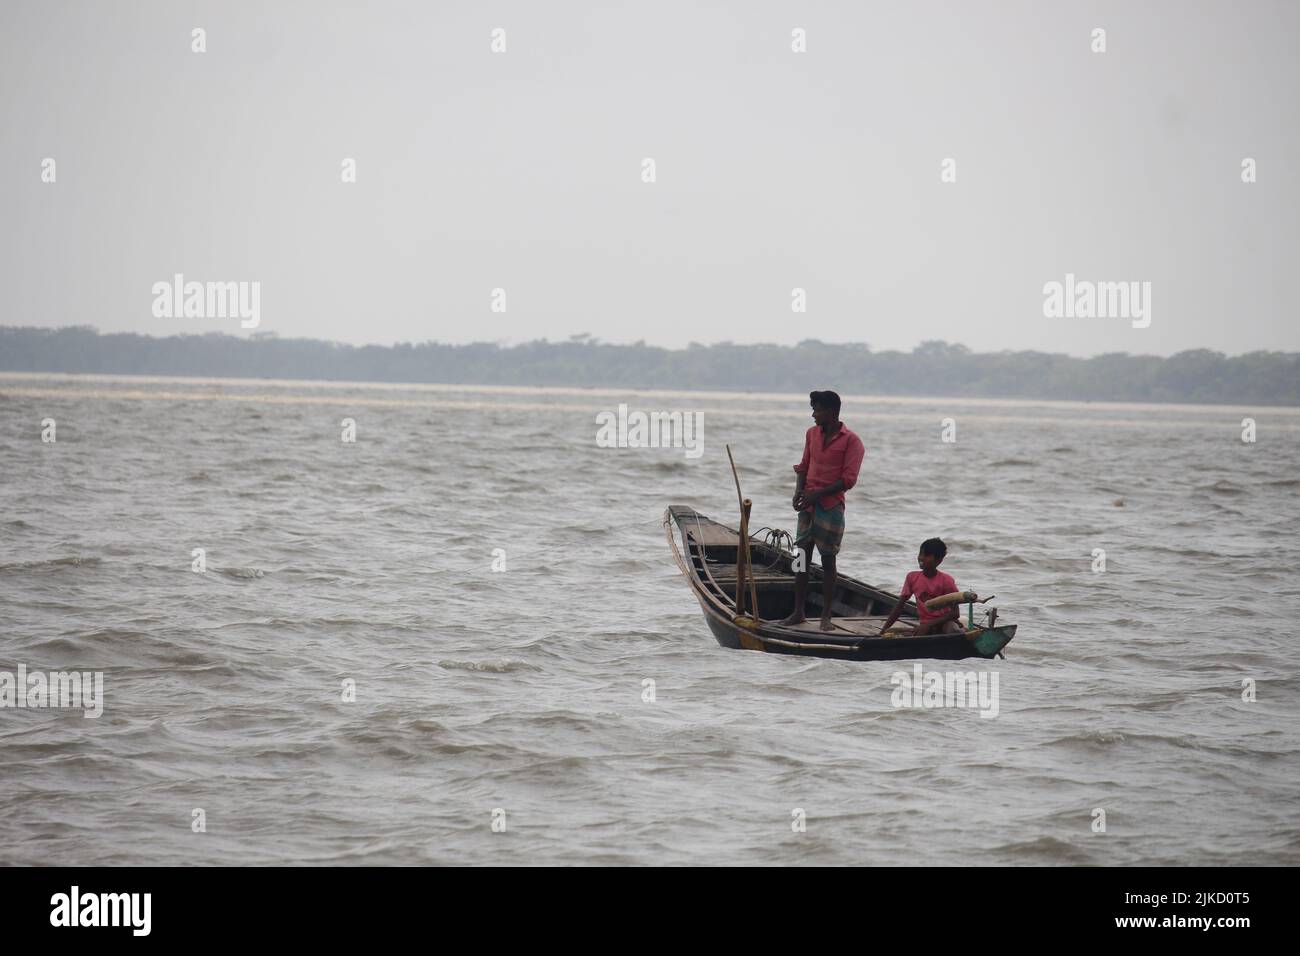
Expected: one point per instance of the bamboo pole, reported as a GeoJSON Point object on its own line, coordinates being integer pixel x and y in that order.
{"type": "Point", "coordinates": [749, 559]}
{"type": "Point", "coordinates": [742, 549]}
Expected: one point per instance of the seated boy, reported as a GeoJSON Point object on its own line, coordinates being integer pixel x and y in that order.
{"type": "Point", "coordinates": [924, 585]}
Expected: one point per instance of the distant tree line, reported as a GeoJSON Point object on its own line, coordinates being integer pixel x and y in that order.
{"type": "Point", "coordinates": [932, 368]}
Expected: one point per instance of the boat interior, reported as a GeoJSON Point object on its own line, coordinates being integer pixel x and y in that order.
{"type": "Point", "coordinates": [712, 549]}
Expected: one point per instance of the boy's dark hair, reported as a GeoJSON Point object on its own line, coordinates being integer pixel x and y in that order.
{"type": "Point", "coordinates": [826, 399]}
{"type": "Point", "coordinates": [935, 548]}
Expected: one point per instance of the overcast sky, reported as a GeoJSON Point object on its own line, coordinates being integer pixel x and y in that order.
{"type": "Point", "coordinates": [775, 170]}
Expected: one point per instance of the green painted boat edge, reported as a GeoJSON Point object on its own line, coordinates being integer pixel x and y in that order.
{"type": "Point", "coordinates": [991, 640]}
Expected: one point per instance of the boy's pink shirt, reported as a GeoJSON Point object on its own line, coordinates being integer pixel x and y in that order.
{"type": "Point", "coordinates": [924, 589]}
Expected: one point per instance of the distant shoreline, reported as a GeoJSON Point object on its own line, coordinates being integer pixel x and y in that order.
{"type": "Point", "coordinates": [792, 399]}
{"type": "Point", "coordinates": [933, 371]}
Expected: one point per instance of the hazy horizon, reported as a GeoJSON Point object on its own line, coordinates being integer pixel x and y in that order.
{"type": "Point", "coordinates": [503, 343]}
{"type": "Point", "coordinates": [935, 368]}
{"type": "Point", "coordinates": [774, 170]}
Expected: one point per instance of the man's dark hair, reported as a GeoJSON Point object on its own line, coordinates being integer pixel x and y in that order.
{"type": "Point", "coordinates": [828, 400]}
{"type": "Point", "coordinates": [935, 548]}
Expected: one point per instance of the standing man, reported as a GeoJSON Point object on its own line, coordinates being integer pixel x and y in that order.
{"type": "Point", "coordinates": [832, 456]}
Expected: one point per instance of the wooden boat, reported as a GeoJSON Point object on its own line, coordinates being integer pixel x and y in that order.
{"type": "Point", "coordinates": [708, 554]}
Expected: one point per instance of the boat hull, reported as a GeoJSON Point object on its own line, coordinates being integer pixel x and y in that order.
{"type": "Point", "coordinates": [943, 647]}
{"type": "Point", "coordinates": [808, 641]}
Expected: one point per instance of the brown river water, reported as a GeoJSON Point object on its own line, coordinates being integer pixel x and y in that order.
{"type": "Point", "coordinates": [492, 592]}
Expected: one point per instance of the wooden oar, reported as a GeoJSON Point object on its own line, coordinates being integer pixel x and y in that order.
{"type": "Point", "coordinates": [956, 597]}
{"type": "Point", "coordinates": [969, 598]}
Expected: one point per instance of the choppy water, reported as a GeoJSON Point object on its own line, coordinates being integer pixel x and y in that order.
{"type": "Point", "coordinates": [522, 690]}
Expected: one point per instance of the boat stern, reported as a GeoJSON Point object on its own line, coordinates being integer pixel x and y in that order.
{"type": "Point", "coordinates": [989, 642]}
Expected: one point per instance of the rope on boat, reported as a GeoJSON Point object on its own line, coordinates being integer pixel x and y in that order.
{"type": "Point", "coordinates": [704, 561]}
{"type": "Point", "coordinates": [801, 644]}
{"type": "Point", "coordinates": [776, 540]}
{"type": "Point", "coordinates": [677, 554]}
